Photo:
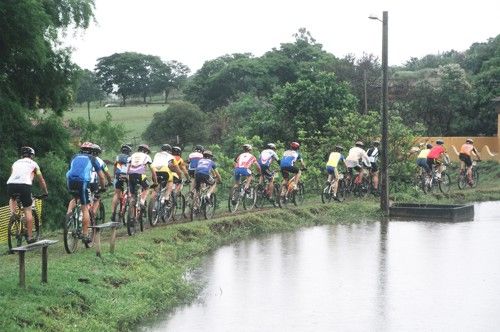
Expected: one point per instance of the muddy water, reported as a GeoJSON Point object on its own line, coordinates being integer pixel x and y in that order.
{"type": "Point", "coordinates": [370, 276]}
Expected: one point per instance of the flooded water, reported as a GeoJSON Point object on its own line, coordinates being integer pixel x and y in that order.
{"type": "Point", "coordinates": [371, 276]}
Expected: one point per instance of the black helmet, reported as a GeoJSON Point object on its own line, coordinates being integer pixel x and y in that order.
{"type": "Point", "coordinates": [199, 148]}
{"type": "Point", "coordinates": [429, 146]}
{"type": "Point", "coordinates": [247, 147]}
{"type": "Point", "coordinates": [207, 154]}
{"type": "Point", "coordinates": [126, 149]}
{"type": "Point", "coordinates": [376, 142]}
{"type": "Point", "coordinates": [439, 142]}
{"type": "Point", "coordinates": [144, 148]}
{"type": "Point", "coordinates": [271, 146]}
{"type": "Point", "coordinates": [469, 140]}
{"type": "Point", "coordinates": [339, 148]}
{"type": "Point", "coordinates": [27, 151]}
{"type": "Point", "coordinates": [359, 144]}
{"type": "Point", "coordinates": [166, 147]}
{"type": "Point", "coordinates": [176, 151]}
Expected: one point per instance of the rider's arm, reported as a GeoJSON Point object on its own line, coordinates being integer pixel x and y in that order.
{"type": "Point", "coordinates": [106, 173]}
{"type": "Point", "coordinates": [217, 175]}
{"type": "Point", "coordinates": [174, 167]}
{"type": "Point", "coordinates": [102, 182]}
{"type": "Point", "coordinates": [184, 171]}
{"type": "Point", "coordinates": [476, 153]}
{"type": "Point", "coordinates": [42, 183]}
{"type": "Point", "coordinates": [153, 173]}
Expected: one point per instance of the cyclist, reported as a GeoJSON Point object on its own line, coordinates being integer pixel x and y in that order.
{"type": "Point", "coordinates": [164, 164]}
{"type": "Point", "coordinates": [265, 160]}
{"type": "Point", "coordinates": [287, 166]}
{"type": "Point", "coordinates": [176, 152]}
{"type": "Point", "coordinates": [19, 184]}
{"type": "Point", "coordinates": [120, 172]}
{"type": "Point", "coordinates": [136, 171]}
{"type": "Point", "coordinates": [192, 161]}
{"type": "Point", "coordinates": [78, 177]}
{"type": "Point", "coordinates": [358, 160]}
{"type": "Point", "coordinates": [94, 183]}
{"type": "Point", "coordinates": [332, 167]}
{"type": "Point", "coordinates": [466, 152]}
{"type": "Point", "coordinates": [204, 171]}
{"type": "Point", "coordinates": [435, 154]}
{"type": "Point", "coordinates": [242, 165]}
{"type": "Point", "coordinates": [422, 158]}
{"type": "Point", "coordinates": [373, 154]}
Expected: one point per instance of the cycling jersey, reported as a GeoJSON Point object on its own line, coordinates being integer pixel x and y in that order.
{"type": "Point", "coordinates": [162, 160]}
{"type": "Point", "coordinates": [266, 157]}
{"type": "Point", "coordinates": [102, 167]}
{"type": "Point", "coordinates": [23, 171]}
{"type": "Point", "coordinates": [245, 160]}
{"type": "Point", "coordinates": [334, 158]}
{"type": "Point", "coordinates": [193, 159]}
{"type": "Point", "coordinates": [181, 164]}
{"type": "Point", "coordinates": [289, 158]}
{"type": "Point", "coordinates": [121, 164]}
{"type": "Point", "coordinates": [355, 156]}
{"type": "Point", "coordinates": [436, 151]}
{"type": "Point", "coordinates": [423, 154]}
{"type": "Point", "coordinates": [205, 166]}
{"type": "Point", "coordinates": [138, 162]}
{"type": "Point", "coordinates": [467, 149]}
{"type": "Point", "coordinates": [373, 154]}
{"type": "Point", "coordinates": [81, 167]}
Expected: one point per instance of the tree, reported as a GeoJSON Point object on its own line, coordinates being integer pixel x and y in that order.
{"type": "Point", "coordinates": [181, 121]}
{"type": "Point", "coordinates": [88, 88]}
{"type": "Point", "coordinates": [175, 78]}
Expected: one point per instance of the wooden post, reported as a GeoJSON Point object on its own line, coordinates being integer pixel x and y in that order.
{"type": "Point", "coordinates": [22, 274]}
{"type": "Point", "coordinates": [44, 264]}
{"type": "Point", "coordinates": [98, 242]}
{"type": "Point", "coordinates": [112, 240]}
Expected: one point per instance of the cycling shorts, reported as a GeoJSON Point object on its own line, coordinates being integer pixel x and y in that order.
{"type": "Point", "coordinates": [192, 173]}
{"type": "Point", "coordinates": [374, 167]}
{"type": "Point", "coordinates": [433, 161]}
{"type": "Point", "coordinates": [177, 180]}
{"type": "Point", "coordinates": [94, 188]}
{"type": "Point", "coordinates": [331, 170]}
{"type": "Point", "coordinates": [422, 162]}
{"type": "Point", "coordinates": [203, 178]}
{"type": "Point", "coordinates": [80, 190]}
{"type": "Point", "coordinates": [285, 171]}
{"type": "Point", "coordinates": [163, 178]}
{"type": "Point", "coordinates": [466, 159]}
{"type": "Point", "coordinates": [266, 172]}
{"type": "Point", "coordinates": [241, 171]}
{"type": "Point", "coordinates": [24, 192]}
{"type": "Point", "coordinates": [136, 180]}
{"type": "Point", "coordinates": [120, 181]}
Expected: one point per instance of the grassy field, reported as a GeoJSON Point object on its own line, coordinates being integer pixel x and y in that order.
{"type": "Point", "coordinates": [135, 118]}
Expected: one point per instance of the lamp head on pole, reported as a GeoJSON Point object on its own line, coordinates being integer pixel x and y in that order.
{"type": "Point", "coordinates": [374, 17]}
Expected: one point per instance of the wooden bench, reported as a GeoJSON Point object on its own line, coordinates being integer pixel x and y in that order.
{"type": "Point", "coordinates": [97, 241]}
{"type": "Point", "coordinates": [42, 244]}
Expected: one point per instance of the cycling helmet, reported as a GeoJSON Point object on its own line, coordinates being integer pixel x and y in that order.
{"type": "Point", "coordinates": [199, 148]}
{"type": "Point", "coordinates": [469, 140]}
{"type": "Point", "coordinates": [339, 148]}
{"type": "Point", "coordinates": [271, 146]}
{"type": "Point", "coordinates": [87, 147]}
{"type": "Point", "coordinates": [27, 151]}
{"type": "Point", "coordinates": [207, 154]}
{"type": "Point", "coordinates": [166, 147]}
{"type": "Point", "coordinates": [176, 151]}
{"type": "Point", "coordinates": [126, 149]}
{"type": "Point", "coordinates": [247, 147]}
{"type": "Point", "coordinates": [144, 148]}
{"type": "Point", "coordinates": [294, 146]}
{"type": "Point", "coordinates": [439, 142]}
{"type": "Point", "coordinates": [96, 149]}
{"type": "Point", "coordinates": [359, 144]}
{"type": "Point", "coordinates": [429, 146]}
{"type": "Point", "coordinates": [376, 142]}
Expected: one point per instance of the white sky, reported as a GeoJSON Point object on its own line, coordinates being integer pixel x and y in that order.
{"type": "Point", "coordinates": [194, 31]}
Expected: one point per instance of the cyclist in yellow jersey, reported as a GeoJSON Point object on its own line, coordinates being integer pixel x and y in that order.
{"type": "Point", "coordinates": [422, 158]}
{"type": "Point", "coordinates": [165, 165]}
{"type": "Point", "coordinates": [176, 152]}
{"type": "Point", "coordinates": [332, 167]}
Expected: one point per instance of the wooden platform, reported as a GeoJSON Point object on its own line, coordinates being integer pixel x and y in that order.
{"type": "Point", "coordinates": [433, 212]}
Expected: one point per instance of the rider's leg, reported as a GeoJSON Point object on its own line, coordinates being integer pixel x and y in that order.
{"type": "Point", "coordinates": [248, 181]}
{"type": "Point", "coordinates": [168, 191]}
{"type": "Point", "coordinates": [12, 206]}
{"type": "Point", "coordinates": [375, 179]}
{"type": "Point", "coordinates": [296, 179]}
{"type": "Point", "coordinates": [71, 206]}
{"type": "Point", "coordinates": [28, 215]}
{"type": "Point", "coordinates": [335, 183]}
{"type": "Point", "coordinates": [85, 219]}
{"type": "Point", "coordinates": [116, 199]}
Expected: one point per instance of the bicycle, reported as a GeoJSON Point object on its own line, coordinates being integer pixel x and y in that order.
{"type": "Point", "coordinates": [292, 193]}
{"type": "Point", "coordinates": [239, 194]}
{"type": "Point", "coordinates": [433, 180]}
{"type": "Point", "coordinates": [73, 226]}
{"type": "Point", "coordinates": [327, 193]}
{"type": "Point", "coordinates": [179, 203]}
{"type": "Point", "coordinates": [135, 212]}
{"type": "Point", "coordinates": [199, 203]}
{"type": "Point", "coordinates": [17, 228]}
{"type": "Point", "coordinates": [158, 208]}
{"type": "Point", "coordinates": [263, 195]}
{"type": "Point", "coordinates": [464, 181]}
{"type": "Point", "coordinates": [356, 187]}
{"type": "Point", "coordinates": [121, 208]}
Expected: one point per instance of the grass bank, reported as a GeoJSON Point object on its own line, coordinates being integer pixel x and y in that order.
{"type": "Point", "coordinates": [145, 275]}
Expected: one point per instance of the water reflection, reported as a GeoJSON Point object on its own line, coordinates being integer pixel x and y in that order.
{"type": "Point", "coordinates": [382, 276]}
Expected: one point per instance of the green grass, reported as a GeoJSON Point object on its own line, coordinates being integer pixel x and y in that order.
{"type": "Point", "coordinates": [135, 119]}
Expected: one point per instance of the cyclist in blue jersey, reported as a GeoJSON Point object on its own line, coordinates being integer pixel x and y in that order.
{"type": "Point", "coordinates": [204, 171]}
{"type": "Point", "coordinates": [192, 161]}
{"type": "Point", "coordinates": [121, 177]}
{"type": "Point", "coordinates": [287, 165]}
{"type": "Point", "coordinates": [78, 178]}
{"type": "Point", "coordinates": [267, 156]}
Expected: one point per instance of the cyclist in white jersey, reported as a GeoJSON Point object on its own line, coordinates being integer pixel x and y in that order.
{"type": "Point", "coordinates": [267, 156]}
{"type": "Point", "coordinates": [242, 165]}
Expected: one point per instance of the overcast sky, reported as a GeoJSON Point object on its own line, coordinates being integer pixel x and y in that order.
{"type": "Point", "coordinates": [194, 31]}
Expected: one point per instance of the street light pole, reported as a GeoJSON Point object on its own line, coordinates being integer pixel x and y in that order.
{"type": "Point", "coordinates": [384, 195]}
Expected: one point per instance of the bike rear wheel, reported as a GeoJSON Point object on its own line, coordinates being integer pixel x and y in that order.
{"type": "Point", "coordinates": [234, 199]}
{"type": "Point", "coordinates": [209, 206]}
{"type": "Point", "coordinates": [261, 197]}
{"type": "Point", "coordinates": [475, 178]}
{"type": "Point", "coordinates": [462, 180]}
{"type": "Point", "coordinates": [71, 231]}
{"type": "Point", "coordinates": [15, 233]}
{"type": "Point", "coordinates": [341, 191]}
{"type": "Point", "coordinates": [180, 207]}
{"type": "Point", "coordinates": [445, 183]}
{"type": "Point", "coordinates": [131, 222]}
{"type": "Point", "coordinates": [326, 195]}
{"type": "Point", "coordinates": [249, 198]}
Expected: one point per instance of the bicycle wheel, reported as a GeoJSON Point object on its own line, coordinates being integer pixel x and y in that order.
{"type": "Point", "coordinates": [71, 231]}
{"type": "Point", "coordinates": [341, 191]}
{"type": "Point", "coordinates": [37, 229]}
{"type": "Point", "coordinates": [154, 211]}
{"type": "Point", "coordinates": [101, 214]}
{"type": "Point", "coordinates": [261, 197]}
{"type": "Point", "coordinates": [140, 215]}
{"type": "Point", "coordinates": [445, 183]}
{"type": "Point", "coordinates": [276, 195]}
{"type": "Point", "coordinates": [14, 232]}
{"type": "Point", "coordinates": [180, 207]}
{"type": "Point", "coordinates": [234, 199]}
{"type": "Point", "coordinates": [462, 180]}
{"type": "Point", "coordinates": [193, 203]}
{"type": "Point", "coordinates": [91, 231]}
{"type": "Point", "coordinates": [131, 222]}
{"type": "Point", "coordinates": [249, 198]}
{"type": "Point", "coordinates": [209, 206]}
{"type": "Point", "coordinates": [475, 178]}
{"type": "Point", "coordinates": [326, 196]}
